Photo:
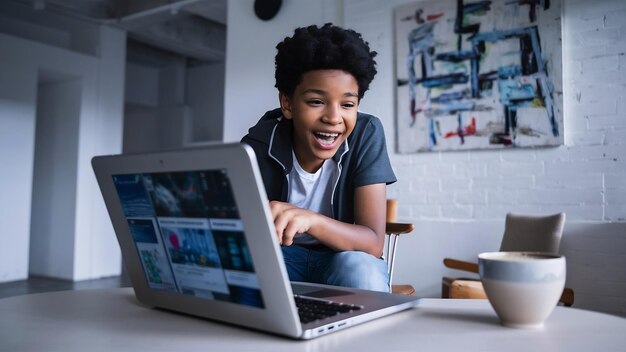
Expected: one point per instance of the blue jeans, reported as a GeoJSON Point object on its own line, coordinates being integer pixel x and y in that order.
{"type": "Point", "coordinates": [349, 268]}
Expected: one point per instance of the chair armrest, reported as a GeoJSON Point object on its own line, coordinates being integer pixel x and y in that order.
{"type": "Point", "coordinates": [399, 228]}
{"type": "Point", "coordinates": [467, 289]}
{"type": "Point", "coordinates": [460, 265]}
{"type": "Point", "coordinates": [403, 289]}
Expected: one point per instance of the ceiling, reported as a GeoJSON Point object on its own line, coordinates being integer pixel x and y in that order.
{"type": "Point", "coordinates": [194, 29]}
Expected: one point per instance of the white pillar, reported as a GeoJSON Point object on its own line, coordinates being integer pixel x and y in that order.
{"type": "Point", "coordinates": [18, 88]}
{"type": "Point", "coordinates": [96, 253]}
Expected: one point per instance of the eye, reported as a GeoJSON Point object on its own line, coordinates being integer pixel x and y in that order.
{"type": "Point", "coordinates": [348, 105]}
{"type": "Point", "coordinates": [315, 102]}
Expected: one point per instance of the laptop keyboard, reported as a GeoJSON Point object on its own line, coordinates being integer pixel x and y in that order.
{"type": "Point", "coordinates": [311, 310]}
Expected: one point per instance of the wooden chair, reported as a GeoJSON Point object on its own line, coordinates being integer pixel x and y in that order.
{"type": "Point", "coordinates": [521, 233]}
{"type": "Point", "coordinates": [393, 231]}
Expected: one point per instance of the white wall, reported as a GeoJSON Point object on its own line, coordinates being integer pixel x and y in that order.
{"type": "Point", "coordinates": [458, 200]}
{"type": "Point", "coordinates": [205, 96]}
{"type": "Point", "coordinates": [90, 244]}
{"type": "Point", "coordinates": [141, 85]}
{"type": "Point", "coordinates": [250, 51]}
{"type": "Point", "coordinates": [156, 116]}
{"type": "Point", "coordinates": [173, 105]}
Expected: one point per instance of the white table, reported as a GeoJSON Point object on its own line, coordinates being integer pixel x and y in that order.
{"type": "Point", "coordinates": [112, 320]}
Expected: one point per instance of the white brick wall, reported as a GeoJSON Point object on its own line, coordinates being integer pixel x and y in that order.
{"type": "Point", "coordinates": [458, 200]}
{"type": "Point", "coordinates": [594, 46]}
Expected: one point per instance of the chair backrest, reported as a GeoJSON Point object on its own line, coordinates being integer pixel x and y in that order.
{"type": "Point", "coordinates": [533, 233]}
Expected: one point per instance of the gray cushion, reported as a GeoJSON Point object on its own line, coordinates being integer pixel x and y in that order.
{"type": "Point", "coordinates": [533, 233]}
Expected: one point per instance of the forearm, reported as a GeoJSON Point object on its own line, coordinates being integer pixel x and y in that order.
{"type": "Point", "coordinates": [342, 236]}
{"type": "Point", "coordinates": [366, 234]}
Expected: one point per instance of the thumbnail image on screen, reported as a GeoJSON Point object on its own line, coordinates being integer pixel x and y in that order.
{"type": "Point", "coordinates": [188, 234]}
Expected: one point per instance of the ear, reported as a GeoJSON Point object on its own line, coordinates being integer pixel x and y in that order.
{"type": "Point", "coordinates": [285, 105]}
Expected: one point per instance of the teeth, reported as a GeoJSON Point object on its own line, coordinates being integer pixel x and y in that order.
{"type": "Point", "coordinates": [327, 135]}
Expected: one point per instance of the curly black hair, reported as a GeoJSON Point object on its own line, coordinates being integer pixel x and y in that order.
{"type": "Point", "coordinates": [327, 47]}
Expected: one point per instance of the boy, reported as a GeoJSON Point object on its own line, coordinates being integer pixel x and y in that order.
{"type": "Point", "coordinates": [324, 164]}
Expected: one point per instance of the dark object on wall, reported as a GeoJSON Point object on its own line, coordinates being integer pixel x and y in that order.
{"type": "Point", "coordinates": [267, 9]}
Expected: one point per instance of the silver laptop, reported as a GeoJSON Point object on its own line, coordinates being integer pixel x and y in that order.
{"type": "Point", "coordinates": [197, 237]}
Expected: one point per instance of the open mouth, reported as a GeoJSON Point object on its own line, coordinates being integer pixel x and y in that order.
{"type": "Point", "coordinates": [326, 138]}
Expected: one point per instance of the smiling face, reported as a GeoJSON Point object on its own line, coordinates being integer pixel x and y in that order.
{"type": "Point", "coordinates": [323, 108]}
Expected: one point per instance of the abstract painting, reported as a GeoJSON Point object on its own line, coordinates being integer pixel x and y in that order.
{"type": "Point", "coordinates": [478, 75]}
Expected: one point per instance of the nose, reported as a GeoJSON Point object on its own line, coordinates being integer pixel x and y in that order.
{"type": "Point", "coordinates": [332, 115]}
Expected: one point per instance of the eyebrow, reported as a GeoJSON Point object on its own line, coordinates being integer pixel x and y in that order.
{"type": "Point", "coordinates": [322, 92]}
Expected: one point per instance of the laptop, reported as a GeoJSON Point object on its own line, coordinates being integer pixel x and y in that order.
{"type": "Point", "coordinates": [197, 237]}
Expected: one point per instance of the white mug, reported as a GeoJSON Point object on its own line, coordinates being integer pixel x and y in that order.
{"type": "Point", "coordinates": [522, 287]}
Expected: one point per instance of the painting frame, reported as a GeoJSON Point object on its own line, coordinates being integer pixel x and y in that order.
{"type": "Point", "coordinates": [478, 75]}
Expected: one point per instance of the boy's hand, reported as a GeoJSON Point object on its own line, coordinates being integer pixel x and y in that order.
{"type": "Point", "coordinates": [290, 221]}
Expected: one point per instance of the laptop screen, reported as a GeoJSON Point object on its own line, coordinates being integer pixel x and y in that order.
{"type": "Point", "coordinates": [188, 234]}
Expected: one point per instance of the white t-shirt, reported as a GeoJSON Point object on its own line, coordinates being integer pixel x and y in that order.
{"type": "Point", "coordinates": [312, 191]}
